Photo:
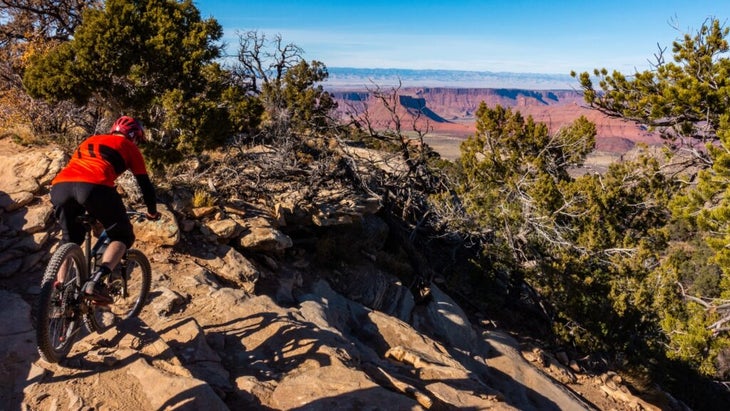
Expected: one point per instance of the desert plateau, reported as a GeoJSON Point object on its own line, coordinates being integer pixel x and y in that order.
{"type": "Point", "coordinates": [448, 114]}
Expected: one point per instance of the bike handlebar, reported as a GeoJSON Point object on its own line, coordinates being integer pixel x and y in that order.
{"type": "Point", "coordinates": [137, 215]}
{"type": "Point", "coordinates": [140, 216]}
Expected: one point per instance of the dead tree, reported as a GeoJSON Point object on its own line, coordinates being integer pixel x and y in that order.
{"type": "Point", "coordinates": [720, 307]}
{"type": "Point", "coordinates": [400, 173]}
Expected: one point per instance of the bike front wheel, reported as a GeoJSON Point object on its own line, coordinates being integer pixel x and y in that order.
{"type": "Point", "coordinates": [129, 286]}
{"type": "Point", "coordinates": [60, 304]}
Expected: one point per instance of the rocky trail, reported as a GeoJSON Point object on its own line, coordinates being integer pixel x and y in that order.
{"type": "Point", "coordinates": [242, 317]}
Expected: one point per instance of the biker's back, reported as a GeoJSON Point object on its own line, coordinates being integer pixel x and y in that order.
{"type": "Point", "coordinates": [100, 159]}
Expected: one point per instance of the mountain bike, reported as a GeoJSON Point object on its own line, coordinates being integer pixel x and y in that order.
{"type": "Point", "coordinates": [63, 307]}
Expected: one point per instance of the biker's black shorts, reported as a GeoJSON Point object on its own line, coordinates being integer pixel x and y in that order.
{"type": "Point", "coordinates": [69, 201]}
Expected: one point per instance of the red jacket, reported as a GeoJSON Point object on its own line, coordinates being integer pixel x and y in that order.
{"type": "Point", "coordinates": [101, 159]}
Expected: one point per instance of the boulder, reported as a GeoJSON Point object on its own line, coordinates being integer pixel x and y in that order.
{"type": "Point", "coordinates": [445, 319]}
{"type": "Point", "coordinates": [336, 388]}
{"type": "Point", "coordinates": [222, 229]}
{"type": "Point", "coordinates": [262, 236]}
{"type": "Point", "coordinates": [174, 392]}
{"type": "Point", "coordinates": [17, 346]}
{"type": "Point", "coordinates": [188, 341]}
{"type": "Point", "coordinates": [30, 219]}
{"type": "Point", "coordinates": [23, 175]}
{"type": "Point", "coordinates": [164, 232]}
{"type": "Point", "coordinates": [233, 266]}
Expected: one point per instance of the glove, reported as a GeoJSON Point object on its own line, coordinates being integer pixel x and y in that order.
{"type": "Point", "coordinates": [154, 217]}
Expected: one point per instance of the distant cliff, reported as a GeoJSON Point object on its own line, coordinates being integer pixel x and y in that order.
{"type": "Point", "coordinates": [451, 111]}
{"type": "Point", "coordinates": [462, 103]}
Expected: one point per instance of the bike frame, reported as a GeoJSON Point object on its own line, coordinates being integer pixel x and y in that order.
{"type": "Point", "coordinates": [97, 249]}
{"type": "Point", "coordinates": [100, 245]}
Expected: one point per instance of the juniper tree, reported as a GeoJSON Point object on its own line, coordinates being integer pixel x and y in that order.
{"type": "Point", "coordinates": [686, 101]}
{"type": "Point", "coordinates": [155, 59]}
{"type": "Point", "coordinates": [28, 27]}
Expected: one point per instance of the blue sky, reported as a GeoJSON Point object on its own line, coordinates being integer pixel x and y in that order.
{"type": "Point", "coordinates": [522, 36]}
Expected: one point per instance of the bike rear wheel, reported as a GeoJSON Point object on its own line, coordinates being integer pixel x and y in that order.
{"type": "Point", "coordinates": [59, 304]}
{"type": "Point", "coordinates": [129, 286]}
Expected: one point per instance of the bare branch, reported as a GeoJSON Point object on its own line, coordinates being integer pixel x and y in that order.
{"type": "Point", "coordinates": [716, 306]}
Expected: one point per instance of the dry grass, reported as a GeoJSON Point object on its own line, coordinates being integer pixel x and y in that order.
{"type": "Point", "coordinates": [21, 135]}
{"type": "Point", "coordinates": [202, 198]}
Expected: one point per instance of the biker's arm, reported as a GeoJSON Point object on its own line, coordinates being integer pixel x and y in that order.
{"type": "Point", "coordinates": [148, 193]}
{"type": "Point", "coordinates": [137, 167]}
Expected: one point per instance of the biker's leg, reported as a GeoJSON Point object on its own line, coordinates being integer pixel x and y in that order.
{"type": "Point", "coordinates": [66, 210]}
{"type": "Point", "coordinates": [113, 254]}
{"type": "Point", "coordinates": [108, 208]}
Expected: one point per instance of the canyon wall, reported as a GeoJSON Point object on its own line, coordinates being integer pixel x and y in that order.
{"type": "Point", "coordinates": [450, 112]}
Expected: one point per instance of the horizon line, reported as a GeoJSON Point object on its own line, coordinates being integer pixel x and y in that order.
{"type": "Point", "coordinates": [362, 78]}
{"type": "Point", "coordinates": [451, 70]}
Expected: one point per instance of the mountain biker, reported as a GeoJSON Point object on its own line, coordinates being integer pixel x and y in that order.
{"type": "Point", "coordinates": [87, 183]}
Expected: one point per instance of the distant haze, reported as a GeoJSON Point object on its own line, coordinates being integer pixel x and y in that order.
{"type": "Point", "coordinates": [361, 78]}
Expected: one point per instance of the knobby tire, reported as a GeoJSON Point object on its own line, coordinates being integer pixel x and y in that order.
{"type": "Point", "coordinates": [139, 280]}
{"type": "Point", "coordinates": [58, 321]}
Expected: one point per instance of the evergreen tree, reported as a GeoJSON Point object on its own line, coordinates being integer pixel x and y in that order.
{"type": "Point", "coordinates": [686, 102]}
{"type": "Point", "coordinates": [153, 59]}
{"type": "Point", "coordinates": [512, 173]}
{"type": "Point", "coordinates": [683, 100]}
{"type": "Point", "coordinates": [27, 28]}
{"type": "Point", "coordinates": [585, 245]}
